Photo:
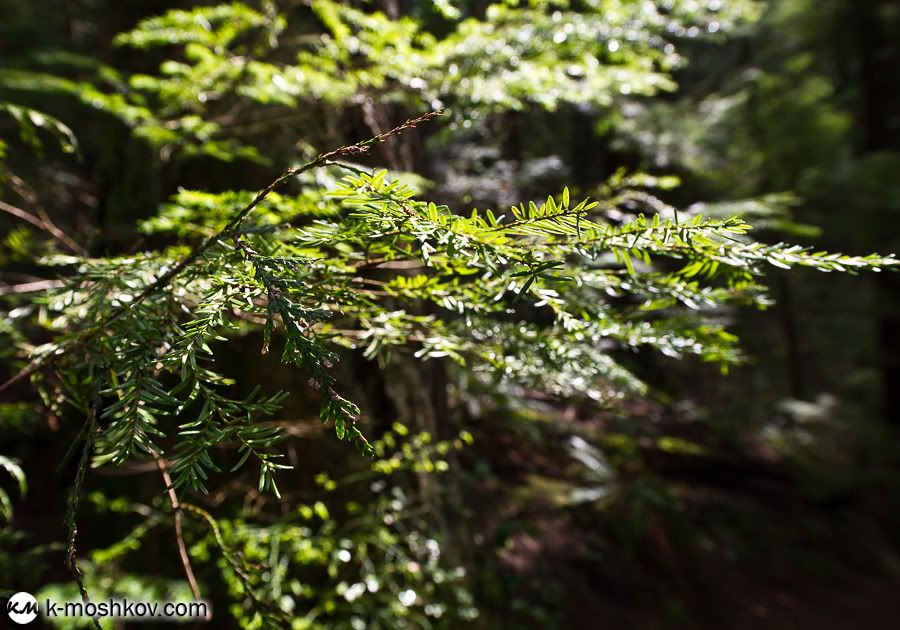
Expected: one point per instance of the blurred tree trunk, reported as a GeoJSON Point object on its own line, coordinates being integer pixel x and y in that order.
{"type": "Point", "coordinates": [417, 390]}
{"type": "Point", "coordinates": [877, 26]}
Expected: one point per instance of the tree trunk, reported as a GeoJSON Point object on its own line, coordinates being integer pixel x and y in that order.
{"type": "Point", "coordinates": [877, 29]}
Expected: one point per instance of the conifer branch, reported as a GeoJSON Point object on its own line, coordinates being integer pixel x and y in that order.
{"type": "Point", "coordinates": [230, 228]}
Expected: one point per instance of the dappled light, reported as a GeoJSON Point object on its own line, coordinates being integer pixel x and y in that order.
{"type": "Point", "coordinates": [446, 314]}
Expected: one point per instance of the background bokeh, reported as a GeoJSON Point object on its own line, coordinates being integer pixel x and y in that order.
{"type": "Point", "coordinates": [767, 497]}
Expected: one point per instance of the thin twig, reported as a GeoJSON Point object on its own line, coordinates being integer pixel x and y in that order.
{"type": "Point", "coordinates": [30, 287]}
{"type": "Point", "coordinates": [25, 192]}
{"type": "Point", "coordinates": [236, 563]}
{"type": "Point", "coordinates": [231, 228]}
{"type": "Point", "coordinates": [75, 499]}
{"type": "Point", "coordinates": [176, 507]}
{"type": "Point", "coordinates": [21, 214]}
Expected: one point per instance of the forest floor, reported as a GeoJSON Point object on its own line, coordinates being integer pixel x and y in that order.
{"type": "Point", "coordinates": [676, 538]}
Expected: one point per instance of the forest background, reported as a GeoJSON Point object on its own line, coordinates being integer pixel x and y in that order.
{"type": "Point", "coordinates": [664, 477]}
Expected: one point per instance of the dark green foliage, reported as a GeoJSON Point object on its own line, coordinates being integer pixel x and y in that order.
{"type": "Point", "coordinates": [562, 295]}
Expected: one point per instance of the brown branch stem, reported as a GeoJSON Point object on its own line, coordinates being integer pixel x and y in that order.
{"type": "Point", "coordinates": [43, 219]}
{"type": "Point", "coordinates": [179, 537]}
